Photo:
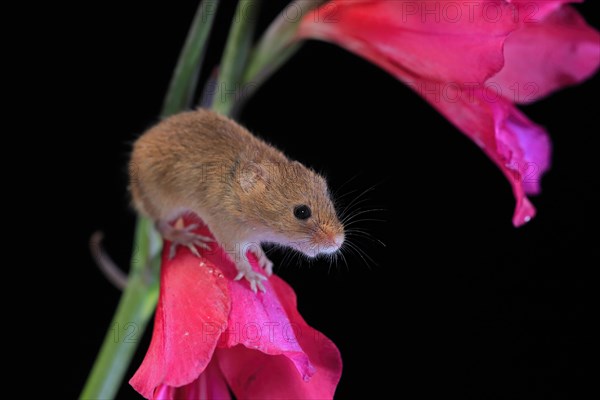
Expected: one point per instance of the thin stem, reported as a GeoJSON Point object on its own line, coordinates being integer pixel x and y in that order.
{"type": "Point", "coordinates": [235, 55]}
{"type": "Point", "coordinates": [276, 46]}
{"type": "Point", "coordinates": [185, 77]}
{"type": "Point", "coordinates": [139, 299]}
{"type": "Point", "coordinates": [129, 322]}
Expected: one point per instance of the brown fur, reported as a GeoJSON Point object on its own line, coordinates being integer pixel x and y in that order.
{"type": "Point", "coordinates": [244, 189]}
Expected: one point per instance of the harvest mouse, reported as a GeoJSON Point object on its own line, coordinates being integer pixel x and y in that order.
{"type": "Point", "coordinates": [246, 191]}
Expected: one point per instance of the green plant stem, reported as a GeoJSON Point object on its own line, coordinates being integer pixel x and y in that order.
{"type": "Point", "coordinates": [235, 55]}
{"type": "Point", "coordinates": [276, 46]}
{"type": "Point", "coordinates": [129, 322]}
{"type": "Point", "coordinates": [185, 77]}
{"type": "Point", "coordinates": [139, 299]}
{"type": "Point", "coordinates": [238, 78]}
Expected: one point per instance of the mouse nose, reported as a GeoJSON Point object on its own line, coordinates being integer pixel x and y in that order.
{"type": "Point", "coordinates": [338, 239]}
{"type": "Point", "coordinates": [330, 242]}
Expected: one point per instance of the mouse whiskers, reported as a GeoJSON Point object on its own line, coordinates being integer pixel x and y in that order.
{"type": "Point", "coordinates": [354, 217]}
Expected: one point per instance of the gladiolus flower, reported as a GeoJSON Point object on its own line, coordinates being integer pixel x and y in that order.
{"type": "Point", "coordinates": [213, 334]}
{"type": "Point", "coordinates": [472, 61]}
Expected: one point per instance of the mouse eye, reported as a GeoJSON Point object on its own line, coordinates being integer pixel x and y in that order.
{"type": "Point", "coordinates": [302, 212]}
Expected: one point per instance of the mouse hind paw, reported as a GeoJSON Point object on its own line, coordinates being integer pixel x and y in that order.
{"type": "Point", "coordinates": [181, 235]}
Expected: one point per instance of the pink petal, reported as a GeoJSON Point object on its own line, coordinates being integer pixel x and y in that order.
{"type": "Point", "coordinates": [441, 41]}
{"type": "Point", "coordinates": [520, 148]}
{"type": "Point", "coordinates": [524, 146]}
{"type": "Point", "coordinates": [259, 321]}
{"type": "Point", "coordinates": [195, 312]}
{"type": "Point", "coordinates": [557, 51]}
{"type": "Point", "coordinates": [447, 62]}
{"type": "Point", "coordinates": [525, 150]}
{"type": "Point", "coordinates": [193, 301]}
{"type": "Point", "coordinates": [209, 385]}
{"type": "Point", "coordinates": [253, 374]}
{"type": "Point", "coordinates": [531, 11]}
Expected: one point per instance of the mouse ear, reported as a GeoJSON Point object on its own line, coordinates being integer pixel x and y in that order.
{"type": "Point", "coordinates": [252, 177]}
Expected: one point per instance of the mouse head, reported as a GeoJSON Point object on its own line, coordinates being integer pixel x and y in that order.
{"type": "Point", "coordinates": [289, 204]}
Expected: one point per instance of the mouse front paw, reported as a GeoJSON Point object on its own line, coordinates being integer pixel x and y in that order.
{"type": "Point", "coordinates": [263, 260]}
{"type": "Point", "coordinates": [266, 264]}
{"type": "Point", "coordinates": [254, 278]}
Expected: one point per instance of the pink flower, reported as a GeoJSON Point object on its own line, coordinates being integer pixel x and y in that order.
{"type": "Point", "coordinates": [472, 61]}
{"type": "Point", "coordinates": [213, 334]}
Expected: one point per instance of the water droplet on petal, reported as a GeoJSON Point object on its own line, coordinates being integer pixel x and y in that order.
{"type": "Point", "coordinates": [527, 218]}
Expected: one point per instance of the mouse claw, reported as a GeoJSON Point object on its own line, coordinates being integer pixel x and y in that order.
{"type": "Point", "coordinates": [204, 239]}
{"type": "Point", "coordinates": [201, 243]}
{"type": "Point", "coordinates": [259, 284]}
{"type": "Point", "coordinates": [189, 228]}
{"type": "Point", "coordinates": [254, 279]}
{"type": "Point", "coordinates": [263, 261]}
{"type": "Point", "coordinates": [268, 267]}
{"type": "Point", "coordinates": [193, 249]}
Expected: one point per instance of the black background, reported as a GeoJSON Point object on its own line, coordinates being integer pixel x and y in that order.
{"type": "Point", "coordinates": [458, 302]}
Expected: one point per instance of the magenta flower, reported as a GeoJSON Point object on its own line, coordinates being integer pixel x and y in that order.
{"type": "Point", "coordinates": [472, 61]}
{"type": "Point", "coordinates": [213, 334]}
